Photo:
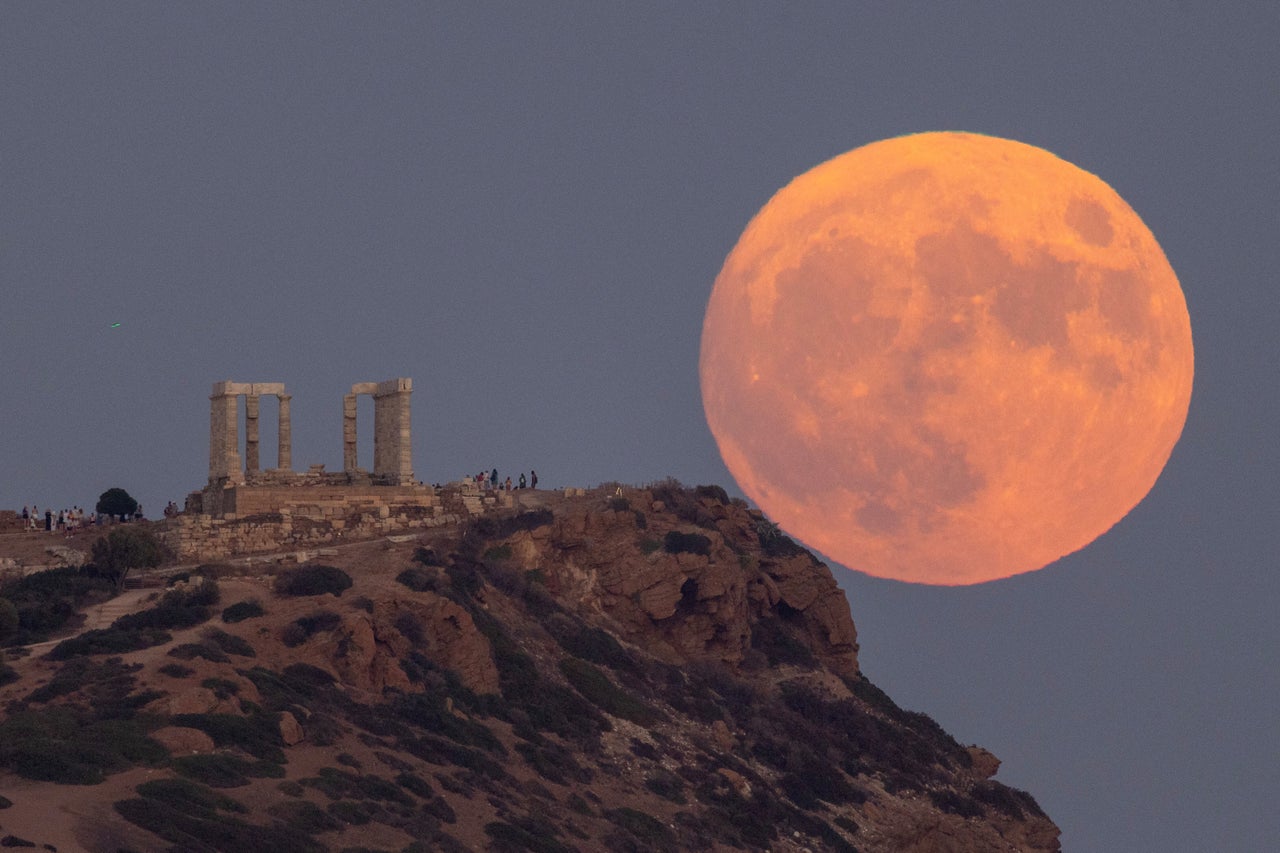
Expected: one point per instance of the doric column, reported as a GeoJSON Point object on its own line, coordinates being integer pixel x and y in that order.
{"type": "Point", "coordinates": [251, 457]}
{"type": "Point", "coordinates": [224, 444]}
{"type": "Point", "coordinates": [349, 433]}
{"type": "Point", "coordinates": [285, 454]}
{"type": "Point", "coordinates": [392, 449]}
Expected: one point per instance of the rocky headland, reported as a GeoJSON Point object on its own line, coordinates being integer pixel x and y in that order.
{"type": "Point", "coordinates": [626, 670]}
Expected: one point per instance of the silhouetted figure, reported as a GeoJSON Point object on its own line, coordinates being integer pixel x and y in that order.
{"type": "Point", "coordinates": [522, 480]}
{"type": "Point", "coordinates": [533, 478]}
{"type": "Point", "coordinates": [48, 521]}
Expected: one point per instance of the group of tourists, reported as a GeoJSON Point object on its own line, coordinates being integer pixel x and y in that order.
{"type": "Point", "coordinates": [490, 481]}
{"type": "Point", "coordinates": [66, 521]}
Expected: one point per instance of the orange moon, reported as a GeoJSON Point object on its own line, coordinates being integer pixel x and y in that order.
{"type": "Point", "coordinates": [946, 358]}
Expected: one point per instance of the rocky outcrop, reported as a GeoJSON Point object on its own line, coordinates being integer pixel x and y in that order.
{"type": "Point", "coordinates": [688, 605]}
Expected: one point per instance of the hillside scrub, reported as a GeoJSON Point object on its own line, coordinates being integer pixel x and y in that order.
{"type": "Point", "coordinates": [312, 580]}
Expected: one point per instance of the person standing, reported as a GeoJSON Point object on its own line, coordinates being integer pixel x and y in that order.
{"type": "Point", "coordinates": [48, 521]}
{"type": "Point", "coordinates": [533, 478]}
{"type": "Point", "coordinates": [493, 479]}
{"type": "Point", "coordinates": [522, 480]}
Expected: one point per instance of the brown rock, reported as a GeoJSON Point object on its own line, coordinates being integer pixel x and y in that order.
{"type": "Point", "coordinates": [985, 764]}
{"type": "Point", "coordinates": [193, 700]}
{"type": "Point", "coordinates": [180, 740]}
{"type": "Point", "coordinates": [290, 729]}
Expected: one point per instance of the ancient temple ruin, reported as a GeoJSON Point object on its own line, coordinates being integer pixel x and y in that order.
{"type": "Point", "coordinates": [244, 509]}
{"type": "Point", "coordinates": [238, 487]}
{"type": "Point", "coordinates": [224, 430]}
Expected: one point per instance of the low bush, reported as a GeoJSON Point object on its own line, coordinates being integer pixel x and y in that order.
{"type": "Point", "coordinates": [667, 785]}
{"type": "Point", "coordinates": [59, 744]}
{"type": "Point", "coordinates": [415, 784]}
{"type": "Point", "coordinates": [206, 651]}
{"type": "Point", "coordinates": [652, 834]}
{"type": "Point", "coordinates": [195, 826]}
{"type": "Point", "coordinates": [242, 610]}
{"type": "Point", "coordinates": [530, 833]}
{"type": "Point", "coordinates": [676, 542]}
{"type": "Point", "coordinates": [188, 796]}
{"type": "Point", "coordinates": [105, 641]}
{"type": "Point", "coordinates": [313, 580]}
{"type": "Point", "coordinates": [419, 580]}
{"type": "Point", "coordinates": [304, 816]}
{"type": "Point", "coordinates": [217, 770]}
{"type": "Point", "coordinates": [257, 734]}
{"type": "Point", "coordinates": [596, 688]}
{"type": "Point", "coordinates": [229, 643]}
{"type": "Point", "coordinates": [46, 601]}
{"type": "Point", "coordinates": [176, 670]}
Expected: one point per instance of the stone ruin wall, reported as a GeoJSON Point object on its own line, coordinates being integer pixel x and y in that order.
{"type": "Point", "coordinates": [265, 519]}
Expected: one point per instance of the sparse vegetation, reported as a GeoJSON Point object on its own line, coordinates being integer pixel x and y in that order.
{"type": "Point", "coordinates": [676, 542]}
{"type": "Point", "coordinates": [125, 549]}
{"type": "Point", "coordinates": [242, 610]}
{"type": "Point", "coordinates": [312, 580]}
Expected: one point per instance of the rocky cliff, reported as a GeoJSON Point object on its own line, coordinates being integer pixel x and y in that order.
{"type": "Point", "coordinates": [633, 669]}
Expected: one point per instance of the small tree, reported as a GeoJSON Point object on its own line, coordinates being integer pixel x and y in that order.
{"type": "Point", "coordinates": [116, 502]}
{"type": "Point", "coordinates": [122, 550]}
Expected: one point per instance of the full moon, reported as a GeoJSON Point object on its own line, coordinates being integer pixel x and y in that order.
{"type": "Point", "coordinates": [946, 358]}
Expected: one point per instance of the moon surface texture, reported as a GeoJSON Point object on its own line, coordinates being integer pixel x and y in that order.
{"type": "Point", "coordinates": [946, 358]}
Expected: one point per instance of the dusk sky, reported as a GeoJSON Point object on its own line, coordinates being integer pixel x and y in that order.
{"type": "Point", "coordinates": [524, 207]}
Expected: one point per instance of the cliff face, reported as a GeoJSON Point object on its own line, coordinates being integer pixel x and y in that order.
{"type": "Point", "coordinates": [639, 670]}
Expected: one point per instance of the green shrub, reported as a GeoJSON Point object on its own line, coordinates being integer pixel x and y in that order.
{"type": "Point", "coordinates": [8, 619]}
{"type": "Point", "coordinates": [46, 600]}
{"type": "Point", "coordinates": [217, 770]}
{"type": "Point", "coordinates": [354, 812]}
{"type": "Point", "coordinates": [313, 580]}
{"type": "Point", "coordinates": [418, 580]}
{"type": "Point", "coordinates": [303, 816]}
{"type": "Point", "coordinates": [257, 734]}
{"type": "Point", "coordinates": [125, 549]}
{"type": "Point", "coordinates": [415, 784]}
{"type": "Point", "coordinates": [618, 503]}
{"type": "Point", "coordinates": [223, 688]}
{"type": "Point", "coordinates": [652, 834]}
{"type": "Point", "coordinates": [191, 651]}
{"type": "Point", "coordinates": [56, 744]}
{"type": "Point", "coordinates": [715, 493]}
{"type": "Point", "coordinates": [188, 796]}
{"type": "Point", "coordinates": [229, 643]}
{"type": "Point", "coordinates": [537, 835]}
{"type": "Point", "coordinates": [676, 542]}
{"type": "Point", "coordinates": [667, 785]}
{"type": "Point", "coordinates": [427, 557]}
{"type": "Point", "coordinates": [592, 644]}
{"type": "Point", "coordinates": [498, 552]}
{"type": "Point", "coordinates": [205, 830]}
{"type": "Point", "coordinates": [105, 641]}
{"type": "Point", "coordinates": [596, 688]}
{"type": "Point", "coordinates": [242, 610]}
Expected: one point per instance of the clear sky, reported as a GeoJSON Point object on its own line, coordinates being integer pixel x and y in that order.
{"type": "Point", "coordinates": [524, 211]}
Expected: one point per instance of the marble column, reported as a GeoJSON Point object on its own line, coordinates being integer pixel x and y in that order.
{"type": "Point", "coordinates": [349, 433]}
{"type": "Point", "coordinates": [252, 461]}
{"type": "Point", "coordinates": [285, 435]}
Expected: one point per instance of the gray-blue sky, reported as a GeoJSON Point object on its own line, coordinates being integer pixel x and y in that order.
{"type": "Point", "coordinates": [525, 210]}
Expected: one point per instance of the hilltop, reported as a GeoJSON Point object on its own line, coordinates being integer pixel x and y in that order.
{"type": "Point", "coordinates": [631, 669]}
